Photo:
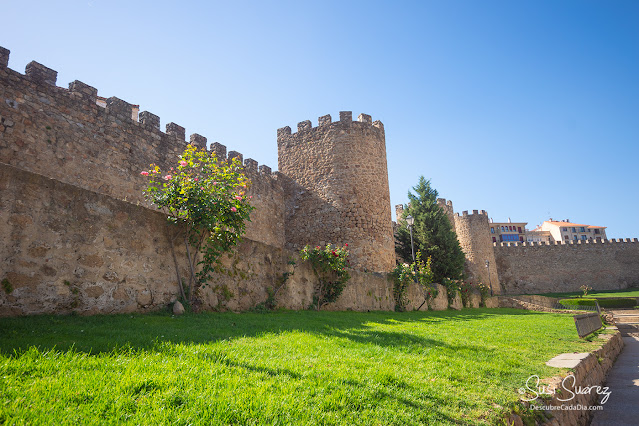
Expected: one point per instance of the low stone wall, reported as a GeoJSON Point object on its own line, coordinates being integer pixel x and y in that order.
{"type": "Point", "coordinates": [590, 371]}
{"type": "Point", "coordinates": [511, 301]}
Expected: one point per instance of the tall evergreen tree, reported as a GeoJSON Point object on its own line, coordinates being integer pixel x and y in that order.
{"type": "Point", "coordinates": [432, 234]}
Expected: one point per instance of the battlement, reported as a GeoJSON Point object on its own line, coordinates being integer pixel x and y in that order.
{"type": "Point", "coordinates": [443, 202]}
{"type": "Point", "coordinates": [568, 243]}
{"type": "Point", "coordinates": [476, 214]}
{"type": "Point", "coordinates": [326, 122]}
{"type": "Point", "coordinates": [82, 95]}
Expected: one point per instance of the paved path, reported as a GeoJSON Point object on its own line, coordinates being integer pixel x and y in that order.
{"type": "Point", "coordinates": [623, 406]}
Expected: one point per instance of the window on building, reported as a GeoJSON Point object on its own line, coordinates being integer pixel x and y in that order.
{"type": "Point", "coordinates": [521, 238]}
{"type": "Point", "coordinates": [492, 230]}
{"type": "Point", "coordinates": [596, 231]}
{"type": "Point", "coordinates": [574, 237]}
{"type": "Point", "coordinates": [565, 237]}
{"type": "Point", "coordinates": [574, 229]}
{"type": "Point", "coordinates": [582, 229]}
{"type": "Point", "coordinates": [565, 229]}
{"type": "Point", "coordinates": [519, 229]}
{"type": "Point", "coordinates": [583, 237]}
{"type": "Point", "coordinates": [494, 240]}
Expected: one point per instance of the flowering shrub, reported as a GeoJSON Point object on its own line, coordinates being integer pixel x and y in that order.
{"type": "Point", "coordinates": [207, 197]}
{"type": "Point", "coordinates": [465, 290]}
{"type": "Point", "coordinates": [329, 265]}
{"type": "Point", "coordinates": [585, 288]}
{"type": "Point", "coordinates": [418, 272]}
{"type": "Point", "coordinates": [484, 291]}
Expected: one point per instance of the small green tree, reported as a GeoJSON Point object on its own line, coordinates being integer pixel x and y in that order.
{"type": "Point", "coordinates": [329, 265]}
{"type": "Point", "coordinates": [206, 198]}
{"type": "Point", "coordinates": [432, 234]}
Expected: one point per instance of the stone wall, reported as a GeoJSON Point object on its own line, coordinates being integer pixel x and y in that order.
{"type": "Point", "coordinates": [63, 134]}
{"type": "Point", "coordinates": [341, 190]}
{"type": "Point", "coordinates": [67, 249]}
{"type": "Point", "coordinates": [535, 268]}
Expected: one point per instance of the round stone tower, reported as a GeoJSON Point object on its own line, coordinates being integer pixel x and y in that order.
{"type": "Point", "coordinates": [336, 180]}
{"type": "Point", "coordinates": [473, 233]}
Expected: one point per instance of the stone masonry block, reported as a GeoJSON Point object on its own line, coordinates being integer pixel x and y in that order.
{"type": "Point", "coordinates": [346, 117]}
{"type": "Point", "coordinates": [250, 165]}
{"type": "Point", "coordinates": [365, 118]}
{"type": "Point", "coordinates": [149, 121]}
{"type": "Point", "coordinates": [198, 140]}
{"type": "Point", "coordinates": [84, 90]}
{"type": "Point", "coordinates": [120, 108]}
{"type": "Point", "coordinates": [41, 74]}
{"type": "Point", "coordinates": [303, 126]}
{"type": "Point", "coordinates": [325, 120]}
{"type": "Point", "coordinates": [219, 150]}
{"type": "Point", "coordinates": [4, 57]}
{"type": "Point", "coordinates": [265, 170]}
{"type": "Point", "coordinates": [235, 154]}
{"type": "Point", "coordinates": [176, 130]}
{"type": "Point", "coordinates": [283, 131]}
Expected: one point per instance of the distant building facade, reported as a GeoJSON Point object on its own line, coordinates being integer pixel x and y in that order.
{"type": "Point", "coordinates": [565, 230]}
{"type": "Point", "coordinates": [502, 232]}
{"type": "Point", "coordinates": [538, 235]}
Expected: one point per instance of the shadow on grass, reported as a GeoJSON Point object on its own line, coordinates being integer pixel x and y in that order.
{"type": "Point", "coordinates": [392, 389]}
{"type": "Point", "coordinates": [108, 333]}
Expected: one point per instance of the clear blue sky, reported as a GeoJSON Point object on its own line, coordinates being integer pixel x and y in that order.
{"type": "Point", "coordinates": [526, 109]}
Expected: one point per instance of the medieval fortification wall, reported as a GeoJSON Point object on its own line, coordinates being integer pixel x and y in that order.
{"type": "Point", "coordinates": [526, 268]}
{"type": "Point", "coordinates": [76, 234]}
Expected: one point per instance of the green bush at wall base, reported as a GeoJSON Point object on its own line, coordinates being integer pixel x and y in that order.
{"type": "Point", "coordinates": [578, 302]}
{"type": "Point", "coordinates": [619, 302]}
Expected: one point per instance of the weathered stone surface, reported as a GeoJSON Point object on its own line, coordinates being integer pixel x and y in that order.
{"type": "Point", "coordinates": [178, 309]}
{"type": "Point", "coordinates": [337, 189]}
{"type": "Point", "coordinates": [563, 267]}
{"type": "Point", "coordinates": [474, 238]}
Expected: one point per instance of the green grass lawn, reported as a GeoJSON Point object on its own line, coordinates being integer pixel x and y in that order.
{"type": "Point", "coordinates": [630, 292]}
{"type": "Point", "coordinates": [305, 367]}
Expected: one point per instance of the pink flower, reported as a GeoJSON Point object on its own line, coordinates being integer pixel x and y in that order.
{"type": "Point", "coordinates": [144, 173]}
{"type": "Point", "coordinates": [233, 209]}
{"type": "Point", "coordinates": [167, 177]}
{"type": "Point", "coordinates": [214, 183]}
{"type": "Point", "coordinates": [183, 163]}
{"type": "Point", "coordinates": [202, 188]}
{"type": "Point", "coordinates": [237, 197]}
{"type": "Point", "coordinates": [346, 245]}
{"type": "Point", "coordinates": [196, 179]}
